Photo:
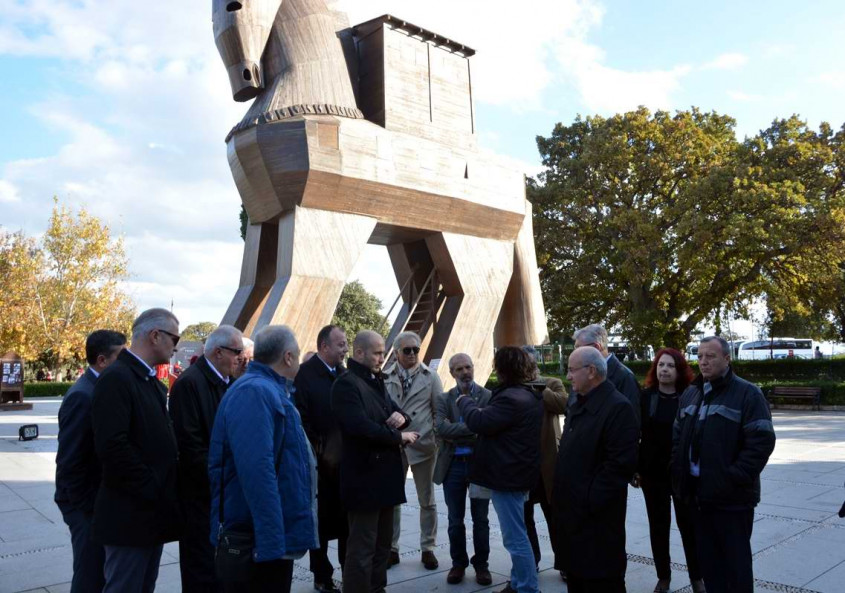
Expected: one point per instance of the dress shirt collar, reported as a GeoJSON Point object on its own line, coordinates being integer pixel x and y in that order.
{"type": "Point", "coordinates": [150, 371]}
{"type": "Point", "coordinates": [216, 372]}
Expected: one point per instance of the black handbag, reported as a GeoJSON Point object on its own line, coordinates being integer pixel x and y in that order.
{"type": "Point", "coordinates": [233, 561]}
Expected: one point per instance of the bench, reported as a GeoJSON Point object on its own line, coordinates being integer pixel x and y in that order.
{"type": "Point", "coordinates": [801, 393]}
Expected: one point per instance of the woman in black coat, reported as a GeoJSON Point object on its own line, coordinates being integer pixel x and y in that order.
{"type": "Point", "coordinates": [666, 380]}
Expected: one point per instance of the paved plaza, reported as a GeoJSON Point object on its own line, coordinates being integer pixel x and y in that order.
{"type": "Point", "coordinates": [798, 542]}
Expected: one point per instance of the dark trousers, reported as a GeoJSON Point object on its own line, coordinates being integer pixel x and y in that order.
{"type": "Point", "coordinates": [368, 550]}
{"type": "Point", "coordinates": [538, 495]}
{"type": "Point", "coordinates": [88, 556]}
{"type": "Point", "coordinates": [455, 488]}
{"type": "Point", "coordinates": [131, 570]}
{"type": "Point", "coordinates": [578, 585]}
{"type": "Point", "coordinates": [724, 549]}
{"type": "Point", "coordinates": [657, 491]}
{"type": "Point", "coordinates": [269, 577]}
{"type": "Point", "coordinates": [196, 554]}
{"type": "Point", "coordinates": [321, 566]}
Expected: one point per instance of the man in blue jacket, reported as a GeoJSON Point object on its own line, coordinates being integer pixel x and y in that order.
{"type": "Point", "coordinates": [77, 466]}
{"type": "Point", "coordinates": [260, 450]}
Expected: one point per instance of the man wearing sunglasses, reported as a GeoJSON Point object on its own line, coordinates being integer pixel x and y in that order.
{"type": "Point", "coordinates": [137, 507]}
{"type": "Point", "coordinates": [194, 399]}
{"type": "Point", "coordinates": [415, 388]}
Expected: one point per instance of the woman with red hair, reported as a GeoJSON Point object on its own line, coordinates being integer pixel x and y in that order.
{"type": "Point", "coordinates": [667, 379]}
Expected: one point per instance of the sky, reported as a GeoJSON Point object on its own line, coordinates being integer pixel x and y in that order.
{"type": "Point", "coordinates": [122, 107]}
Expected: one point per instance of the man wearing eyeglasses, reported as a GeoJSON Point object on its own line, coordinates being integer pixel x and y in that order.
{"type": "Point", "coordinates": [415, 388]}
{"type": "Point", "coordinates": [595, 462]}
{"type": "Point", "coordinates": [194, 399]}
{"type": "Point", "coordinates": [137, 508]}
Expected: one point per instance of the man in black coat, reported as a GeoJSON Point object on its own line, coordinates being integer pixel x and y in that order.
{"type": "Point", "coordinates": [313, 385]}
{"type": "Point", "coordinates": [723, 437]}
{"type": "Point", "coordinates": [596, 460]}
{"type": "Point", "coordinates": [194, 399]}
{"type": "Point", "coordinates": [137, 506]}
{"type": "Point", "coordinates": [77, 466]}
{"type": "Point", "coordinates": [371, 476]}
{"type": "Point", "coordinates": [620, 376]}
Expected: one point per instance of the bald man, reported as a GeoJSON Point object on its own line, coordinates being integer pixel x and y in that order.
{"type": "Point", "coordinates": [371, 471]}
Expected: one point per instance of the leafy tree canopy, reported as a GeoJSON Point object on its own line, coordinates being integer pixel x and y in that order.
{"type": "Point", "coordinates": [198, 332]}
{"type": "Point", "coordinates": [57, 290]}
{"type": "Point", "coordinates": [653, 223]}
{"type": "Point", "coordinates": [357, 309]}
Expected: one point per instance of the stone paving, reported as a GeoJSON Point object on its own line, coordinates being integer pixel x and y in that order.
{"type": "Point", "coordinates": [798, 541]}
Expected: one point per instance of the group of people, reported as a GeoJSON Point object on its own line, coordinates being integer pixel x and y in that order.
{"type": "Point", "coordinates": [255, 460]}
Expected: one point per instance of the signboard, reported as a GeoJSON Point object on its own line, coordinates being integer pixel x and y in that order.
{"type": "Point", "coordinates": [11, 378]}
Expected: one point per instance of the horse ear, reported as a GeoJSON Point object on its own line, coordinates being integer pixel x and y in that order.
{"type": "Point", "coordinates": [241, 31]}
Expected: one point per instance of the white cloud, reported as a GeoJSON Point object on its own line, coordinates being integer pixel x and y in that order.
{"type": "Point", "coordinates": [834, 79]}
{"type": "Point", "coordinates": [745, 97]}
{"type": "Point", "coordinates": [8, 192]}
{"type": "Point", "coordinates": [729, 61]}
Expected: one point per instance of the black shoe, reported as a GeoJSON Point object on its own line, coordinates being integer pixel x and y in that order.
{"type": "Point", "coordinates": [394, 558]}
{"type": "Point", "coordinates": [429, 561]}
{"type": "Point", "coordinates": [456, 575]}
{"type": "Point", "coordinates": [482, 577]}
{"type": "Point", "coordinates": [507, 589]}
{"type": "Point", "coordinates": [326, 587]}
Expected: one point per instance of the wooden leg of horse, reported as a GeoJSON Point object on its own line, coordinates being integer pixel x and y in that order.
{"type": "Point", "coordinates": [475, 273]}
{"type": "Point", "coordinates": [258, 272]}
{"type": "Point", "coordinates": [523, 319]}
{"type": "Point", "coordinates": [317, 250]}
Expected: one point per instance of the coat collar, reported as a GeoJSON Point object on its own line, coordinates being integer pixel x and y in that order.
{"type": "Point", "coordinates": [89, 374]}
{"type": "Point", "coordinates": [316, 364]}
{"type": "Point", "coordinates": [213, 378]}
{"type": "Point", "coordinates": [393, 371]}
{"type": "Point", "coordinates": [593, 401]}
{"type": "Point", "coordinates": [134, 363]}
{"type": "Point", "coordinates": [717, 384]}
{"type": "Point", "coordinates": [260, 369]}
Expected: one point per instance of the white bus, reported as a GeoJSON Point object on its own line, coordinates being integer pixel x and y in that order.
{"type": "Point", "coordinates": [776, 348]}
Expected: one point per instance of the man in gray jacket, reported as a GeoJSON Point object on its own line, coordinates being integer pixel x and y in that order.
{"type": "Point", "coordinates": [455, 445]}
{"type": "Point", "coordinates": [414, 387]}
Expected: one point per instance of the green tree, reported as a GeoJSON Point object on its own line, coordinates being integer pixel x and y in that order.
{"type": "Point", "coordinates": [358, 309]}
{"type": "Point", "coordinates": [198, 332]}
{"type": "Point", "coordinates": [63, 287]}
{"type": "Point", "coordinates": [654, 223]}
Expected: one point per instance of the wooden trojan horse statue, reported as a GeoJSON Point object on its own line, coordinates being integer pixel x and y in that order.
{"type": "Point", "coordinates": [367, 135]}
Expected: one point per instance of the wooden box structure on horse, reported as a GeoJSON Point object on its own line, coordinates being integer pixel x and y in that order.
{"type": "Point", "coordinates": [366, 134]}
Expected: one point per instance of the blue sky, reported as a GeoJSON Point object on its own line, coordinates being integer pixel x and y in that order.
{"type": "Point", "coordinates": [123, 106]}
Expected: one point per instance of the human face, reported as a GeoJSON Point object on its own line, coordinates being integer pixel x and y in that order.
{"type": "Point", "coordinates": [164, 340]}
{"type": "Point", "coordinates": [291, 363]}
{"type": "Point", "coordinates": [334, 350]}
{"type": "Point", "coordinates": [579, 374]}
{"type": "Point", "coordinates": [462, 371]}
{"type": "Point", "coordinates": [373, 356]}
{"type": "Point", "coordinates": [408, 353]}
{"type": "Point", "coordinates": [227, 359]}
{"type": "Point", "coordinates": [667, 374]}
{"type": "Point", "coordinates": [711, 361]}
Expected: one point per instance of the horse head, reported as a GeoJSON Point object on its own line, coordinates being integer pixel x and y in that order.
{"type": "Point", "coordinates": [241, 31]}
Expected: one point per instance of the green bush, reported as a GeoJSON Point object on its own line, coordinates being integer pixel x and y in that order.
{"type": "Point", "coordinates": [761, 371]}
{"type": "Point", "coordinates": [45, 388]}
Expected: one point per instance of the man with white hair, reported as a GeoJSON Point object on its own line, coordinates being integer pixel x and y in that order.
{"type": "Point", "coordinates": [596, 460]}
{"type": "Point", "coordinates": [415, 388]}
{"type": "Point", "coordinates": [620, 376]}
{"type": "Point", "coordinates": [137, 506]}
{"type": "Point", "coordinates": [194, 399]}
{"type": "Point", "coordinates": [263, 474]}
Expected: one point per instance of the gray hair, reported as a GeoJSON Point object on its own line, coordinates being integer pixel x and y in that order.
{"type": "Point", "coordinates": [272, 342]}
{"type": "Point", "coordinates": [403, 336]}
{"type": "Point", "coordinates": [454, 357]}
{"type": "Point", "coordinates": [594, 358]}
{"type": "Point", "coordinates": [532, 352]}
{"type": "Point", "coordinates": [150, 320]}
{"type": "Point", "coordinates": [726, 347]}
{"type": "Point", "coordinates": [224, 335]}
{"type": "Point", "coordinates": [248, 344]}
{"type": "Point", "coordinates": [592, 334]}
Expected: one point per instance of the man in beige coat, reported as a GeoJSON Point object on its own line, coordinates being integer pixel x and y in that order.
{"type": "Point", "coordinates": [415, 387]}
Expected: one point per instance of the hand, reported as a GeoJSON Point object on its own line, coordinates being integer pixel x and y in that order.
{"type": "Point", "coordinates": [636, 481]}
{"type": "Point", "coordinates": [396, 420]}
{"type": "Point", "coordinates": [409, 438]}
